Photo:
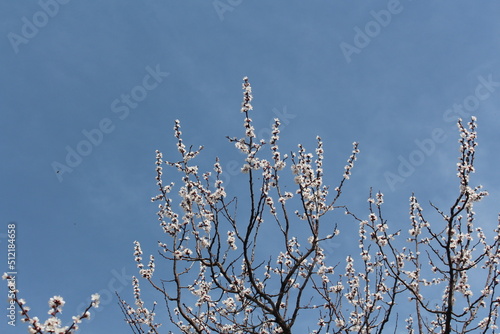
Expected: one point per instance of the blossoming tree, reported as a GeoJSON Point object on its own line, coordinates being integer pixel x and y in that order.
{"type": "Point", "coordinates": [221, 279]}
{"type": "Point", "coordinates": [53, 324]}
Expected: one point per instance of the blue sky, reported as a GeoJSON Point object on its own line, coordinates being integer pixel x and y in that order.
{"type": "Point", "coordinates": [388, 74]}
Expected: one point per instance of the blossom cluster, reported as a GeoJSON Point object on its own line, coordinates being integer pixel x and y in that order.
{"type": "Point", "coordinates": [53, 324]}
